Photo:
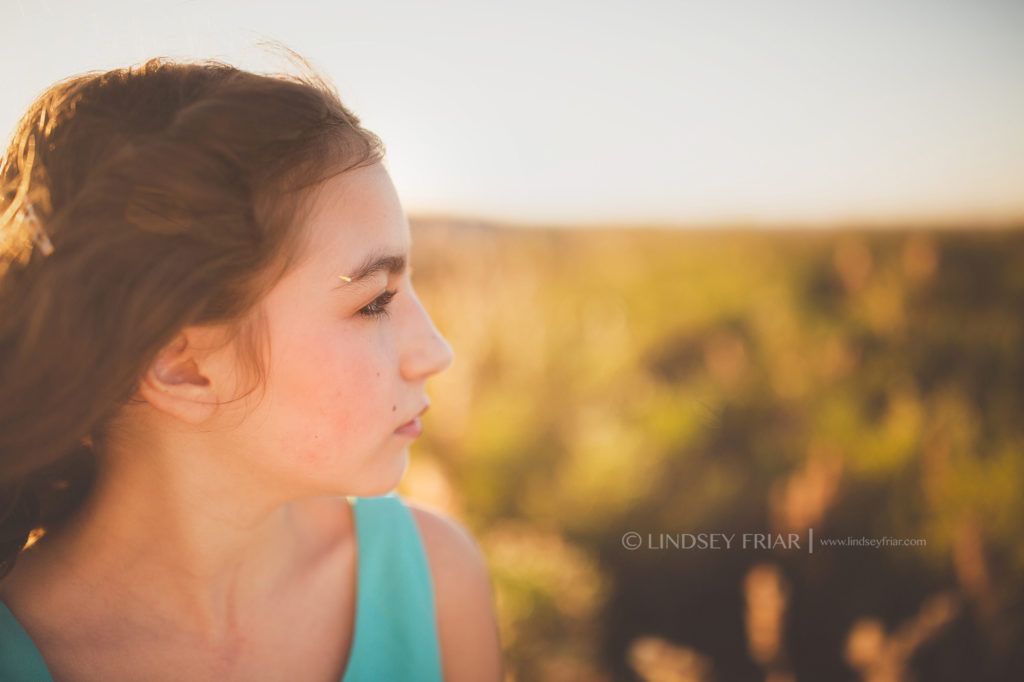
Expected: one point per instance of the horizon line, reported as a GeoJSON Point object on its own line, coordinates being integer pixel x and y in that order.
{"type": "Point", "coordinates": [950, 224]}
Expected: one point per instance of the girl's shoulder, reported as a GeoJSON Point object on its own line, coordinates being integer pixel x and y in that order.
{"type": "Point", "coordinates": [466, 619]}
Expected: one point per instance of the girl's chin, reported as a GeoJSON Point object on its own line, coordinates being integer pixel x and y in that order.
{"type": "Point", "coordinates": [385, 479]}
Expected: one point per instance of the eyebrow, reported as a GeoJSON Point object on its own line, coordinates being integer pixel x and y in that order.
{"type": "Point", "coordinates": [392, 263]}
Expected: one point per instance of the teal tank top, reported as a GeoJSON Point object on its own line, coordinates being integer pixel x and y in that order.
{"type": "Point", "coordinates": [395, 633]}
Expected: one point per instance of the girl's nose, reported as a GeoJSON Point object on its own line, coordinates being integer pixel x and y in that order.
{"type": "Point", "coordinates": [427, 352]}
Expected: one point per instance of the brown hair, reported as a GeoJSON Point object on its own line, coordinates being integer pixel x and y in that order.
{"type": "Point", "coordinates": [171, 193]}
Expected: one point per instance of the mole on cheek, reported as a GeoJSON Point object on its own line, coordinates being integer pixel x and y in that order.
{"type": "Point", "coordinates": [394, 407]}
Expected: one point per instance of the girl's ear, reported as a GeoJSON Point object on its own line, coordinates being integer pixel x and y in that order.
{"type": "Point", "coordinates": [186, 378]}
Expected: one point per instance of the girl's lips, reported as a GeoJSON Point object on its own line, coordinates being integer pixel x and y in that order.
{"type": "Point", "coordinates": [413, 428]}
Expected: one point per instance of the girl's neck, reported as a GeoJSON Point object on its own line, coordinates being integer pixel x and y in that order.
{"type": "Point", "coordinates": [180, 544]}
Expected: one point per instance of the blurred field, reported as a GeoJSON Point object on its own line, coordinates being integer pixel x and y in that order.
{"type": "Point", "coordinates": [860, 384]}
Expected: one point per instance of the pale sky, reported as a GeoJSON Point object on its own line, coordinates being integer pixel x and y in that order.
{"type": "Point", "coordinates": [679, 112]}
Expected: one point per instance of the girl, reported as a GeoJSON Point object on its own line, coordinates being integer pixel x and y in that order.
{"type": "Point", "coordinates": [212, 365]}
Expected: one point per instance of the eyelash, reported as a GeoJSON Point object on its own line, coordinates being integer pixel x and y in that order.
{"type": "Point", "coordinates": [379, 306]}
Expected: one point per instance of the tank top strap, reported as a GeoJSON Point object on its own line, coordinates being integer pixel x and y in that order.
{"type": "Point", "coordinates": [395, 624]}
{"type": "Point", "coordinates": [20, 661]}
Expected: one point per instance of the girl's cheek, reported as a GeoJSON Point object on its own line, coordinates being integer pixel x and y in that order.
{"type": "Point", "coordinates": [301, 445]}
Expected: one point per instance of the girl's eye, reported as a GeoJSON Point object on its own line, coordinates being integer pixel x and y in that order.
{"type": "Point", "coordinates": [379, 306]}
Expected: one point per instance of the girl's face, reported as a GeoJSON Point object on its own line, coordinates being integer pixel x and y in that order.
{"type": "Point", "coordinates": [348, 360]}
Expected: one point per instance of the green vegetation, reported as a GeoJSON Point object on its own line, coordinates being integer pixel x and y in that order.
{"type": "Point", "coordinates": [860, 384]}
